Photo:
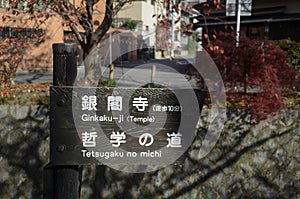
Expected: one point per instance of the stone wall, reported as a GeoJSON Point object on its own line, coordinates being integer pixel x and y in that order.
{"type": "Point", "coordinates": [24, 141]}
{"type": "Point", "coordinates": [249, 161]}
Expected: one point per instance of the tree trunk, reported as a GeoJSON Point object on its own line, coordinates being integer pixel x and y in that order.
{"type": "Point", "coordinates": [92, 67]}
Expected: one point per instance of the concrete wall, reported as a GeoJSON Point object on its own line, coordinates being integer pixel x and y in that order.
{"type": "Point", "coordinates": [132, 10]}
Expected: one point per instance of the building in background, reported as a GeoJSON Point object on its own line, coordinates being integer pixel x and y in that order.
{"type": "Point", "coordinates": [269, 19]}
{"type": "Point", "coordinates": [143, 13]}
{"type": "Point", "coordinates": [23, 27]}
{"type": "Point", "coordinates": [150, 32]}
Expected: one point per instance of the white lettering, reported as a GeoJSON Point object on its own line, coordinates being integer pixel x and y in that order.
{"type": "Point", "coordinates": [151, 154]}
{"type": "Point", "coordinates": [99, 154]}
{"type": "Point", "coordinates": [96, 118]}
{"type": "Point", "coordinates": [140, 119]}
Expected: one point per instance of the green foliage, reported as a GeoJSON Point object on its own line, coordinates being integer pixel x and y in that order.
{"type": "Point", "coordinates": [293, 50]}
{"type": "Point", "coordinates": [292, 100]}
{"type": "Point", "coordinates": [25, 94]}
{"type": "Point", "coordinates": [130, 24]}
{"type": "Point", "coordinates": [152, 85]}
{"type": "Point", "coordinates": [108, 83]}
{"type": "Point", "coordinates": [11, 55]}
{"type": "Point", "coordinates": [191, 46]}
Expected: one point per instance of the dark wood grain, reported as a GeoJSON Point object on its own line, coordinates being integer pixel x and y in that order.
{"type": "Point", "coordinates": [65, 133]}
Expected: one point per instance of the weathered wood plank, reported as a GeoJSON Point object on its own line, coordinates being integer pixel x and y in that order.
{"type": "Point", "coordinates": [67, 123]}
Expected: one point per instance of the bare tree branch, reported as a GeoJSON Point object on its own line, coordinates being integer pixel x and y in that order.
{"type": "Point", "coordinates": [63, 8]}
{"type": "Point", "coordinates": [119, 6]}
{"type": "Point", "coordinates": [103, 28]}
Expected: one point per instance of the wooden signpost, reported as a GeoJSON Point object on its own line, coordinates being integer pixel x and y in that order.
{"type": "Point", "coordinates": [91, 126]}
{"type": "Point", "coordinates": [62, 181]}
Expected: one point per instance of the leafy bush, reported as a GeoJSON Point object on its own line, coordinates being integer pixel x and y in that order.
{"type": "Point", "coordinates": [258, 71]}
{"type": "Point", "coordinates": [25, 94]}
{"type": "Point", "coordinates": [129, 24]}
{"type": "Point", "coordinates": [107, 83]}
{"type": "Point", "coordinates": [293, 50]}
{"type": "Point", "coordinates": [11, 55]}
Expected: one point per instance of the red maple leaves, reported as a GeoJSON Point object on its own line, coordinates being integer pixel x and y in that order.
{"type": "Point", "coordinates": [257, 70]}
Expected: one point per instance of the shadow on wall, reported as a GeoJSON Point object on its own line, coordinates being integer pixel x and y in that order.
{"type": "Point", "coordinates": [247, 162]}
{"type": "Point", "coordinates": [24, 150]}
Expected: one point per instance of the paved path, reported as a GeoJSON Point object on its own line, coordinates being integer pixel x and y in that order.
{"type": "Point", "coordinates": [165, 75]}
{"type": "Point", "coordinates": [127, 74]}
{"type": "Point", "coordinates": [23, 77]}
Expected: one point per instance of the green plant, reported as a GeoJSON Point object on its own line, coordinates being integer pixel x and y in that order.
{"type": "Point", "coordinates": [11, 55]}
{"type": "Point", "coordinates": [152, 85]}
{"type": "Point", "coordinates": [107, 83]}
{"type": "Point", "coordinates": [130, 24]}
{"type": "Point", "coordinates": [293, 50]}
{"type": "Point", "coordinates": [25, 94]}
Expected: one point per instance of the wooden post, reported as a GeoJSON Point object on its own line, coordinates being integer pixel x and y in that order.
{"type": "Point", "coordinates": [62, 182]}
{"type": "Point", "coordinates": [64, 64]}
{"type": "Point", "coordinates": [153, 71]}
{"type": "Point", "coordinates": [111, 71]}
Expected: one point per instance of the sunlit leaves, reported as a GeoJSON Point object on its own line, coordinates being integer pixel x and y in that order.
{"type": "Point", "coordinates": [12, 51]}
{"type": "Point", "coordinates": [21, 90]}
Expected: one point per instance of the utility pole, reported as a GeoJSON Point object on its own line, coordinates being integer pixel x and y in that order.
{"type": "Point", "coordinates": [172, 30]}
{"type": "Point", "coordinates": [111, 65]}
{"type": "Point", "coordinates": [235, 8]}
{"type": "Point", "coordinates": [110, 45]}
{"type": "Point", "coordinates": [198, 38]}
{"type": "Point", "coordinates": [238, 23]}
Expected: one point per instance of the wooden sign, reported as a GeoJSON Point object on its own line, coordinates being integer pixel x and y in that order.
{"type": "Point", "coordinates": [122, 125]}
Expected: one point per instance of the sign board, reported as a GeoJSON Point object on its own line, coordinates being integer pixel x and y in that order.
{"type": "Point", "coordinates": [122, 125]}
{"type": "Point", "coordinates": [230, 7]}
{"type": "Point", "coordinates": [245, 6]}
